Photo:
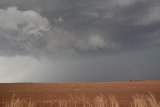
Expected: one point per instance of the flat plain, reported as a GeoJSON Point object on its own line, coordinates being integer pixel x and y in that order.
{"type": "Point", "coordinates": [40, 92]}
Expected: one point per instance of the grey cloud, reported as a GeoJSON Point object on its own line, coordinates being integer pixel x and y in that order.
{"type": "Point", "coordinates": [153, 16]}
{"type": "Point", "coordinates": [27, 32]}
{"type": "Point", "coordinates": [21, 32]}
{"type": "Point", "coordinates": [72, 26]}
{"type": "Point", "coordinates": [75, 30]}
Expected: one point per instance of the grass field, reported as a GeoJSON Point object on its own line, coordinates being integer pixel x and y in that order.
{"type": "Point", "coordinates": [102, 94]}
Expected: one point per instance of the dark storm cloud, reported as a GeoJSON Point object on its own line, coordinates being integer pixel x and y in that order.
{"type": "Point", "coordinates": [47, 27]}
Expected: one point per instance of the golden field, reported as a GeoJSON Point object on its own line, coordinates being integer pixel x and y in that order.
{"type": "Point", "coordinates": [97, 94]}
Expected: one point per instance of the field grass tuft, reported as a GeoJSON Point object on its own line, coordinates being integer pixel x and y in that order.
{"type": "Point", "coordinates": [82, 101]}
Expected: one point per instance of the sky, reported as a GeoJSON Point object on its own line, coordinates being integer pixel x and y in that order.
{"type": "Point", "coordinates": [79, 40]}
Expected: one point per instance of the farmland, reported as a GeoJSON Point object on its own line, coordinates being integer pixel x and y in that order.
{"type": "Point", "coordinates": [71, 91]}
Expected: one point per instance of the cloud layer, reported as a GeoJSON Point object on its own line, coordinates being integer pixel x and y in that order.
{"type": "Point", "coordinates": [71, 27]}
{"type": "Point", "coordinates": [73, 37]}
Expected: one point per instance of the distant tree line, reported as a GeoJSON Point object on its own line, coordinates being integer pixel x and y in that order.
{"type": "Point", "coordinates": [135, 80]}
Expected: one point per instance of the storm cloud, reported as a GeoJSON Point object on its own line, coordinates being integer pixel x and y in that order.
{"type": "Point", "coordinates": [49, 27]}
{"type": "Point", "coordinates": [56, 29]}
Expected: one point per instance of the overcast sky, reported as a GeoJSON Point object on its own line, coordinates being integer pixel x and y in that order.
{"type": "Point", "coordinates": [79, 40]}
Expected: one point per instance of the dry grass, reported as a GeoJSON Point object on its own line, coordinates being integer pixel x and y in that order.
{"type": "Point", "coordinates": [17, 102]}
{"type": "Point", "coordinates": [145, 101]}
{"type": "Point", "coordinates": [82, 101]}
